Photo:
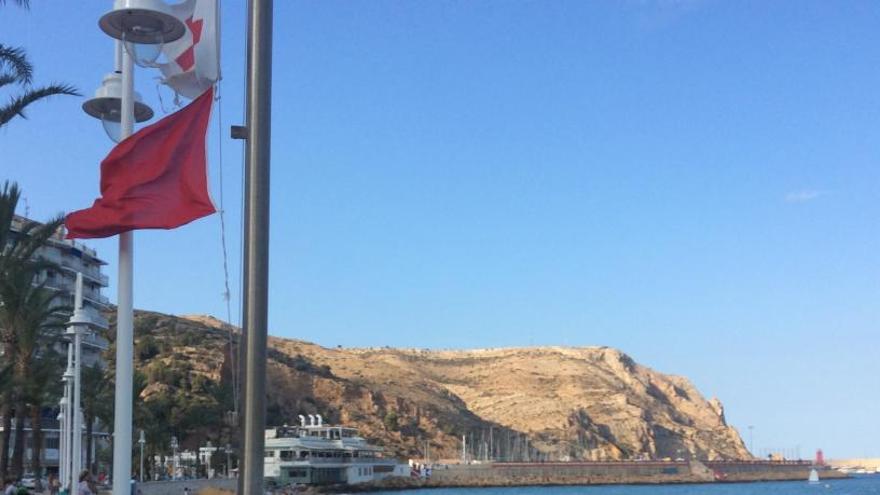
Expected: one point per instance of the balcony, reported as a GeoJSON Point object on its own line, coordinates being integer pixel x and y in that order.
{"type": "Point", "coordinates": [96, 298]}
{"type": "Point", "coordinates": [93, 340]}
{"type": "Point", "coordinates": [89, 273]}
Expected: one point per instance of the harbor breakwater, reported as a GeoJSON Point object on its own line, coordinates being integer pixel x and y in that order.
{"type": "Point", "coordinates": [595, 473]}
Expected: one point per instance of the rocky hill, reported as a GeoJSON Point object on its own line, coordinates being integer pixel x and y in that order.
{"type": "Point", "coordinates": [516, 404]}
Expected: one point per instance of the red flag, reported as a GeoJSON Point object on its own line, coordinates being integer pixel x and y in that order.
{"type": "Point", "coordinates": [155, 179]}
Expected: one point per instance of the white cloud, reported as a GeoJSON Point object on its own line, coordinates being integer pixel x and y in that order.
{"type": "Point", "coordinates": [804, 195]}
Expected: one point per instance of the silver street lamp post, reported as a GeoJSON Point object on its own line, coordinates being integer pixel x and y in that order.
{"type": "Point", "coordinates": [136, 24]}
{"type": "Point", "coordinates": [141, 441]}
{"type": "Point", "coordinates": [174, 446]}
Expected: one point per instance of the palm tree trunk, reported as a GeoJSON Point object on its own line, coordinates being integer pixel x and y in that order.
{"type": "Point", "coordinates": [37, 446]}
{"type": "Point", "coordinates": [89, 425]}
{"type": "Point", "coordinates": [5, 412]}
{"type": "Point", "coordinates": [18, 444]}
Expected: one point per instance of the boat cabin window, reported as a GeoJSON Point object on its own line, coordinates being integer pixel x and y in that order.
{"type": "Point", "coordinates": [270, 453]}
{"type": "Point", "coordinates": [297, 473]}
{"type": "Point", "coordinates": [286, 455]}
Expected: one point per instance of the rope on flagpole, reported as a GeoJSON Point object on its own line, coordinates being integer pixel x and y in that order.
{"type": "Point", "coordinates": [227, 294]}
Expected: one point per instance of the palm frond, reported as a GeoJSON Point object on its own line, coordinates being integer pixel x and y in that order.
{"type": "Point", "coordinates": [16, 60]}
{"type": "Point", "coordinates": [17, 105]}
{"type": "Point", "coordinates": [9, 196]}
{"type": "Point", "coordinates": [17, 251]}
{"type": "Point", "coordinates": [21, 3]}
{"type": "Point", "coordinates": [7, 79]}
{"type": "Point", "coordinates": [32, 236]}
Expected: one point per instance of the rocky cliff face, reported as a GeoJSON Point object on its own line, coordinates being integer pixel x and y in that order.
{"type": "Point", "coordinates": [516, 404]}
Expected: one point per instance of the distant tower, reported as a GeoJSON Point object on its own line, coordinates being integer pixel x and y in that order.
{"type": "Point", "coordinates": [820, 458]}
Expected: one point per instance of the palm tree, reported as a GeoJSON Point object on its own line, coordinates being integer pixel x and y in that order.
{"type": "Point", "coordinates": [36, 317]}
{"type": "Point", "coordinates": [43, 391]}
{"type": "Point", "coordinates": [15, 70]}
{"type": "Point", "coordinates": [18, 270]}
{"type": "Point", "coordinates": [97, 404]}
{"type": "Point", "coordinates": [5, 409]}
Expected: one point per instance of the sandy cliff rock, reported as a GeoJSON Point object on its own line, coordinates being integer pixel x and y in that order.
{"type": "Point", "coordinates": [535, 403]}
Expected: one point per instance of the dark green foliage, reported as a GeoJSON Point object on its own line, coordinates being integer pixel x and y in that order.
{"type": "Point", "coordinates": [299, 363]}
{"type": "Point", "coordinates": [146, 348]}
{"type": "Point", "coordinates": [390, 421]}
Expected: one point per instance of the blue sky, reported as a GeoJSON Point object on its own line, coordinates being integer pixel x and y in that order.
{"type": "Point", "coordinates": [693, 182]}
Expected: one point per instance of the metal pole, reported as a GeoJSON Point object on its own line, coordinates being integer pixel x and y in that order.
{"type": "Point", "coordinates": [463, 449]}
{"type": "Point", "coordinates": [124, 317]}
{"type": "Point", "coordinates": [256, 275]}
{"type": "Point", "coordinates": [62, 427]}
{"type": "Point", "coordinates": [69, 441]}
{"type": "Point", "coordinates": [76, 409]}
{"type": "Point", "coordinates": [142, 463]}
{"type": "Point", "coordinates": [68, 420]}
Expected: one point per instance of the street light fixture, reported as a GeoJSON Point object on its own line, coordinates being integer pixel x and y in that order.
{"type": "Point", "coordinates": [228, 459]}
{"type": "Point", "coordinates": [144, 26]}
{"type": "Point", "coordinates": [106, 106]}
{"type": "Point", "coordinates": [141, 441]}
{"type": "Point", "coordinates": [78, 324]}
{"type": "Point", "coordinates": [174, 446]}
{"type": "Point", "coordinates": [134, 23]}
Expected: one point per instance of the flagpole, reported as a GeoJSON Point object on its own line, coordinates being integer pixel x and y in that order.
{"type": "Point", "coordinates": [256, 270]}
{"type": "Point", "coordinates": [124, 317]}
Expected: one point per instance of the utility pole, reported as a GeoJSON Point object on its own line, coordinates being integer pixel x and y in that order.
{"type": "Point", "coordinates": [256, 269]}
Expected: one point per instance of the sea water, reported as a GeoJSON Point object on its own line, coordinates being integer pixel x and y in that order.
{"type": "Point", "coordinates": [865, 485]}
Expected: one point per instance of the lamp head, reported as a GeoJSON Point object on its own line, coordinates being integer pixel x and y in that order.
{"type": "Point", "coordinates": [142, 21]}
{"type": "Point", "coordinates": [106, 105]}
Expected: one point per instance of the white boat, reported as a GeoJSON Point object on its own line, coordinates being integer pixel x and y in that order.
{"type": "Point", "coordinates": [318, 454]}
{"type": "Point", "coordinates": [814, 477]}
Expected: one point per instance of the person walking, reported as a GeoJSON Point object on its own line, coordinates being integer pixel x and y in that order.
{"type": "Point", "coordinates": [54, 484]}
{"type": "Point", "coordinates": [9, 487]}
{"type": "Point", "coordinates": [85, 484]}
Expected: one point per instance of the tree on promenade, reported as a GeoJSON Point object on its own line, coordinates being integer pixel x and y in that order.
{"type": "Point", "coordinates": [17, 72]}
{"type": "Point", "coordinates": [97, 404]}
{"type": "Point", "coordinates": [29, 320]}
